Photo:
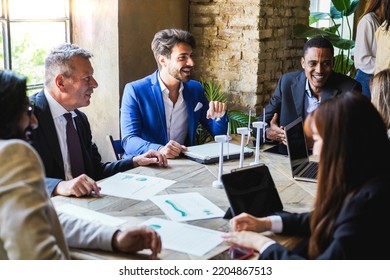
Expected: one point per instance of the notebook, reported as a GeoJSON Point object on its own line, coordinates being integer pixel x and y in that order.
{"type": "Point", "coordinates": [251, 189]}
{"type": "Point", "coordinates": [302, 168]}
{"type": "Point", "coordinates": [209, 152]}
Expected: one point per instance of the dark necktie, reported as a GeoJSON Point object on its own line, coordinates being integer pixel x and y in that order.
{"type": "Point", "coordinates": [74, 147]}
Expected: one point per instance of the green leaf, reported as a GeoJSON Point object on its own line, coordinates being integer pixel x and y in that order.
{"type": "Point", "coordinates": [304, 31]}
{"type": "Point", "coordinates": [341, 5]}
{"type": "Point", "coordinates": [332, 29]}
{"type": "Point", "coordinates": [334, 13]}
{"type": "Point", "coordinates": [343, 44]}
{"type": "Point", "coordinates": [352, 9]}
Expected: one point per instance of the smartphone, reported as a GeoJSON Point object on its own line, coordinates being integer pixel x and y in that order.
{"type": "Point", "coordinates": [239, 253]}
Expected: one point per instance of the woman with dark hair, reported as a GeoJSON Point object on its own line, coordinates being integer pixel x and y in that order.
{"type": "Point", "coordinates": [352, 196]}
{"type": "Point", "coordinates": [29, 225]}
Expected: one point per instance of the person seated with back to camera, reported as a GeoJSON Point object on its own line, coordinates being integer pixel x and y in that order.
{"type": "Point", "coordinates": [162, 111]}
{"type": "Point", "coordinates": [30, 227]}
{"type": "Point", "coordinates": [352, 195]}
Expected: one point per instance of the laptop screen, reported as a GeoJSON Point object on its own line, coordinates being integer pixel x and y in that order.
{"type": "Point", "coordinates": [296, 144]}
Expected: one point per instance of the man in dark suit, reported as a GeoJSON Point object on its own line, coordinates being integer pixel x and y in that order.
{"type": "Point", "coordinates": [69, 84]}
{"type": "Point", "coordinates": [298, 93]}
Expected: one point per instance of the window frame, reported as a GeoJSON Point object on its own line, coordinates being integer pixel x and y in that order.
{"type": "Point", "coordinates": [6, 22]}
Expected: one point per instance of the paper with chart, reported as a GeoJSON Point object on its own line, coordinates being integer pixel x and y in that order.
{"type": "Point", "coordinates": [187, 207]}
{"type": "Point", "coordinates": [185, 238]}
{"type": "Point", "coordinates": [133, 186]}
{"type": "Point", "coordinates": [89, 215]}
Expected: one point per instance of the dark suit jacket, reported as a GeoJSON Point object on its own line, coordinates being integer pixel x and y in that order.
{"type": "Point", "coordinates": [289, 96]}
{"type": "Point", "coordinates": [358, 230]}
{"type": "Point", "coordinates": [45, 141]}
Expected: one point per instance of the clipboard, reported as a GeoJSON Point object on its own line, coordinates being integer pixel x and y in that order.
{"type": "Point", "coordinates": [209, 153]}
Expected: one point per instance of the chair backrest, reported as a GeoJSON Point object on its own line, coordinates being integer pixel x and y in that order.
{"type": "Point", "coordinates": [115, 147]}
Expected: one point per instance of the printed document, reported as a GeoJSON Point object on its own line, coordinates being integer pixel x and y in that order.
{"type": "Point", "coordinates": [133, 186]}
{"type": "Point", "coordinates": [187, 207]}
{"type": "Point", "coordinates": [185, 238]}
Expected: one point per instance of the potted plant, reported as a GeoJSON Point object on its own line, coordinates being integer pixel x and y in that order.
{"type": "Point", "coordinates": [237, 118]}
{"type": "Point", "coordinates": [340, 11]}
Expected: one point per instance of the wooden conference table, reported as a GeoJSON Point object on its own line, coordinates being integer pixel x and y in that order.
{"type": "Point", "coordinates": [191, 176]}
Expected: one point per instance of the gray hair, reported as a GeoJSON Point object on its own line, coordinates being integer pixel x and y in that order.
{"type": "Point", "coordinates": [58, 61]}
{"type": "Point", "coordinates": [166, 39]}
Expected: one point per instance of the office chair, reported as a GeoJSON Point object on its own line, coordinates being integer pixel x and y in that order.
{"type": "Point", "coordinates": [115, 147]}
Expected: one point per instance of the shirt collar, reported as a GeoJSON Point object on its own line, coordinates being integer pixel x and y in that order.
{"type": "Point", "coordinates": [307, 89]}
{"type": "Point", "coordinates": [56, 108]}
{"type": "Point", "coordinates": [163, 87]}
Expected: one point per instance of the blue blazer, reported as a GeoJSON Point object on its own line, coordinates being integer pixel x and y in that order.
{"type": "Point", "coordinates": [45, 141]}
{"type": "Point", "coordinates": [358, 233]}
{"type": "Point", "coordinates": [289, 96]}
{"type": "Point", "coordinates": [143, 124]}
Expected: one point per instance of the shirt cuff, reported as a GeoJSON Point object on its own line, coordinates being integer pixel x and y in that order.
{"type": "Point", "coordinates": [266, 245]}
{"type": "Point", "coordinates": [276, 223]}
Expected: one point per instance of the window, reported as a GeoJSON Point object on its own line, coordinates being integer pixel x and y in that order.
{"type": "Point", "coordinates": [29, 30]}
{"type": "Point", "coordinates": [322, 6]}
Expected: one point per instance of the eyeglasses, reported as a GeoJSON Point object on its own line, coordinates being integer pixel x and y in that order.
{"type": "Point", "coordinates": [30, 109]}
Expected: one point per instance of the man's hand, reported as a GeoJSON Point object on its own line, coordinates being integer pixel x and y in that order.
{"type": "Point", "coordinates": [79, 186]}
{"type": "Point", "coordinates": [172, 149]}
{"type": "Point", "coordinates": [274, 132]}
{"type": "Point", "coordinates": [136, 239]}
{"type": "Point", "coordinates": [150, 157]}
{"type": "Point", "coordinates": [216, 110]}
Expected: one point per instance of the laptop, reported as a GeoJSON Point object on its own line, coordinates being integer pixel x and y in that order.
{"type": "Point", "coordinates": [302, 168]}
{"type": "Point", "coordinates": [251, 189]}
{"type": "Point", "coordinates": [209, 153]}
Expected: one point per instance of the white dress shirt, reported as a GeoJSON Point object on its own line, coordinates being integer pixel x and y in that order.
{"type": "Point", "coordinates": [57, 112]}
{"type": "Point", "coordinates": [175, 114]}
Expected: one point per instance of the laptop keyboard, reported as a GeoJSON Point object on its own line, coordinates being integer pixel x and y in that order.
{"type": "Point", "coordinates": [311, 171]}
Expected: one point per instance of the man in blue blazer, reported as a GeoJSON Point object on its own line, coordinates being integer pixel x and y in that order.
{"type": "Point", "coordinates": [300, 92]}
{"type": "Point", "coordinates": [163, 110]}
{"type": "Point", "coordinates": [69, 84]}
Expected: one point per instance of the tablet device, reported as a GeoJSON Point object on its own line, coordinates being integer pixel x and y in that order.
{"type": "Point", "coordinates": [209, 152]}
{"type": "Point", "coordinates": [280, 149]}
{"type": "Point", "coordinates": [251, 190]}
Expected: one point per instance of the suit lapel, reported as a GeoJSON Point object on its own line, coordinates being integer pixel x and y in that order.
{"type": "Point", "coordinates": [190, 104]}
{"type": "Point", "coordinates": [47, 127]}
{"type": "Point", "coordinates": [329, 91]}
{"type": "Point", "coordinates": [298, 88]}
{"type": "Point", "coordinates": [157, 94]}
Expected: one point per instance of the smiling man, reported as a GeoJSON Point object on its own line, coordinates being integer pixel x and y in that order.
{"type": "Point", "coordinates": [63, 139]}
{"type": "Point", "coordinates": [298, 93]}
{"type": "Point", "coordinates": [163, 110]}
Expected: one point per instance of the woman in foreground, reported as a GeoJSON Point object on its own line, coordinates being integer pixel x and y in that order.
{"type": "Point", "coordinates": [351, 203]}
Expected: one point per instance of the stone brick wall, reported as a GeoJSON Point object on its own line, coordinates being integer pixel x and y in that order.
{"type": "Point", "coordinates": [245, 45]}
